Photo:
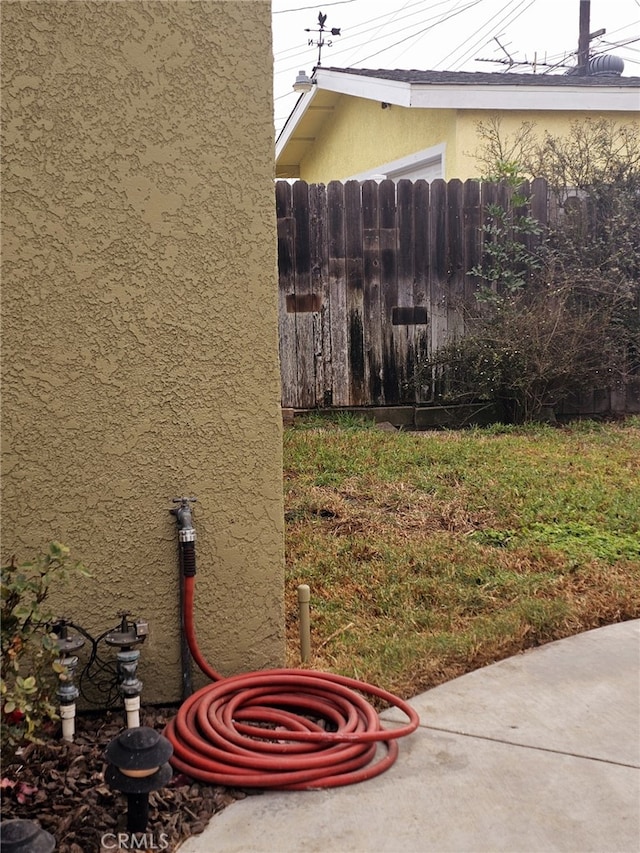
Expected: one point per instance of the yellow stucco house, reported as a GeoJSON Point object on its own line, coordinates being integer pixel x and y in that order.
{"type": "Point", "coordinates": [139, 315]}
{"type": "Point", "coordinates": [359, 123]}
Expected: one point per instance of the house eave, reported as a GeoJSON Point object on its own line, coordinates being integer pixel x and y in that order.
{"type": "Point", "coordinates": [307, 117]}
{"type": "Point", "coordinates": [567, 99]}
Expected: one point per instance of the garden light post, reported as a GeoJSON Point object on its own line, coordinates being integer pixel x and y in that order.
{"type": "Point", "coordinates": [25, 836]}
{"type": "Point", "coordinates": [138, 764]}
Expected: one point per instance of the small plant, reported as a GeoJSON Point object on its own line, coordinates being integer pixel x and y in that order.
{"type": "Point", "coordinates": [508, 261]}
{"type": "Point", "coordinates": [28, 668]}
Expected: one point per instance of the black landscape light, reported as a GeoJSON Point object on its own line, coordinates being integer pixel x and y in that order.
{"type": "Point", "coordinates": [138, 764]}
{"type": "Point", "coordinates": [25, 836]}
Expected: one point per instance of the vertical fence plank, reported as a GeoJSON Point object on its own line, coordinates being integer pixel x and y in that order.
{"type": "Point", "coordinates": [455, 260]}
{"type": "Point", "coordinates": [388, 288]}
{"type": "Point", "coordinates": [286, 287]}
{"type": "Point", "coordinates": [338, 297]}
{"type": "Point", "coordinates": [438, 263]}
{"type": "Point", "coordinates": [539, 209]}
{"type": "Point", "coordinates": [403, 335]}
{"type": "Point", "coordinates": [320, 289]}
{"type": "Point", "coordinates": [488, 197]}
{"type": "Point", "coordinates": [423, 385]}
{"type": "Point", "coordinates": [303, 314]}
{"type": "Point", "coordinates": [472, 213]}
{"type": "Point", "coordinates": [540, 201]}
{"type": "Point", "coordinates": [355, 306]}
{"type": "Point", "coordinates": [372, 317]}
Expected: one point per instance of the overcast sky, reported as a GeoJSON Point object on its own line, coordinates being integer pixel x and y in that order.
{"type": "Point", "coordinates": [444, 35]}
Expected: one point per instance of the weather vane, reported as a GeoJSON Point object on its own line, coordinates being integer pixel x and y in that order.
{"type": "Point", "coordinates": [321, 33]}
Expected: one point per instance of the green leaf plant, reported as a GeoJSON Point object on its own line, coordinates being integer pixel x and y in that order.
{"type": "Point", "coordinates": [556, 309]}
{"type": "Point", "coordinates": [28, 668]}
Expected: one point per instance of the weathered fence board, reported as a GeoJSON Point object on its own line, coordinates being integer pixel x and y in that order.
{"type": "Point", "coordinates": [355, 293]}
{"type": "Point", "coordinates": [373, 277]}
{"type": "Point", "coordinates": [286, 273]}
{"type": "Point", "coordinates": [337, 295]}
{"type": "Point", "coordinates": [303, 297]}
{"type": "Point", "coordinates": [372, 309]}
{"type": "Point", "coordinates": [320, 289]}
{"type": "Point", "coordinates": [438, 296]}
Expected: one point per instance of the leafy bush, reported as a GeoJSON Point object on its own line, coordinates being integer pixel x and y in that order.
{"type": "Point", "coordinates": [509, 259]}
{"type": "Point", "coordinates": [535, 348]}
{"type": "Point", "coordinates": [556, 312]}
{"type": "Point", "coordinates": [28, 669]}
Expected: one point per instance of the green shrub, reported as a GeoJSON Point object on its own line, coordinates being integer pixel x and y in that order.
{"type": "Point", "coordinates": [556, 313]}
{"type": "Point", "coordinates": [29, 671]}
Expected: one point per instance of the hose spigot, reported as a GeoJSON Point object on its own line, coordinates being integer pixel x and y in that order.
{"type": "Point", "coordinates": [186, 535]}
{"type": "Point", "coordinates": [186, 530]}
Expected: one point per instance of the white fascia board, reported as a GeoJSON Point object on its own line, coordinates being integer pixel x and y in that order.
{"type": "Point", "coordinates": [505, 97]}
{"type": "Point", "coordinates": [370, 88]}
{"type": "Point", "coordinates": [294, 120]}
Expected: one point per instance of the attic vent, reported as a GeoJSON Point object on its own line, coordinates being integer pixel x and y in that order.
{"type": "Point", "coordinates": [611, 66]}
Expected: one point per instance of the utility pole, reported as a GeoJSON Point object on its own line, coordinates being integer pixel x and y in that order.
{"type": "Point", "coordinates": [584, 38]}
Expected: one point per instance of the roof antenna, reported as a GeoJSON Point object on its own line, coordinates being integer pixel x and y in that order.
{"type": "Point", "coordinates": [510, 58]}
{"type": "Point", "coordinates": [320, 43]}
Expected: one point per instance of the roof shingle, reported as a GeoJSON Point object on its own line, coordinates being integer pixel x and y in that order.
{"type": "Point", "coordinates": [481, 78]}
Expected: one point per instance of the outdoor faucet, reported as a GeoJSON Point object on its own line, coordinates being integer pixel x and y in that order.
{"type": "Point", "coordinates": [186, 531]}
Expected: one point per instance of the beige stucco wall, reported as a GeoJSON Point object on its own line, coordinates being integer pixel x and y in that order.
{"type": "Point", "coordinates": [140, 315]}
{"type": "Point", "coordinates": [360, 136]}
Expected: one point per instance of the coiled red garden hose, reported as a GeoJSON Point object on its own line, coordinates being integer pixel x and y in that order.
{"type": "Point", "coordinates": [252, 730]}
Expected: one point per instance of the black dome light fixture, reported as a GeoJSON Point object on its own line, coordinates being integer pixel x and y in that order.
{"type": "Point", "coordinates": [138, 764]}
{"type": "Point", "coordinates": [25, 836]}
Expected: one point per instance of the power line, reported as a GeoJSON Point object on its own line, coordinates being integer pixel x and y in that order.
{"type": "Point", "coordinates": [356, 32]}
{"type": "Point", "coordinates": [305, 8]}
{"type": "Point", "coordinates": [467, 40]}
{"type": "Point", "coordinates": [420, 32]}
{"type": "Point", "coordinates": [394, 17]}
{"type": "Point", "coordinates": [504, 22]}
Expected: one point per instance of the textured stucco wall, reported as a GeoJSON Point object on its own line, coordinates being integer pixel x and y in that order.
{"type": "Point", "coordinates": [360, 136]}
{"type": "Point", "coordinates": [140, 314]}
{"type": "Point", "coordinates": [465, 165]}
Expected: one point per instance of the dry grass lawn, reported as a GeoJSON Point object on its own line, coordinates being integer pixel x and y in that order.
{"type": "Point", "coordinates": [431, 554]}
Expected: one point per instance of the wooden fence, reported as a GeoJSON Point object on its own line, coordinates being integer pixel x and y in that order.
{"type": "Point", "coordinates": [373, 277]}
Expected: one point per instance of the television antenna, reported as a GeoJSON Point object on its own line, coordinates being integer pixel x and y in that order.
{"type": "Point", "coordinates": [583, 54]}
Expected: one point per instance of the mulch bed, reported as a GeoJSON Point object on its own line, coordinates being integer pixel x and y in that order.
{"type": "Point", "coordinates": [61, 786]}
